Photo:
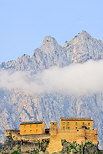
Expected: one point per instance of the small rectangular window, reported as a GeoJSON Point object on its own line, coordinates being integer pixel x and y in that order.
{"type": "Point", "coordinates": [30, 126]}
{"type": "Point", "coordinates": [30, 131]}
{"type": "Point", "coordinates": [63, 123]}
{"type": "Point", "coordinates": [68, 128]}
{"type": "Point", "coordinates": [83, 123]}
{"type": "Point", "coordinates": [24, 131]}
{"type": "Point", "coordinates": [63, 128]}
{"type": "Point", "coordinates": [76, 128]}
{"type": "Point", "coordinates": [76, 123]}
{"type": "Point", "coordinates": [88, 127]}
{"type": "Point", "coordinates": [24, 126]}
{"type": "Point", "coordinates": [68, 123]}
{"type": "Point", "coordinates": [89, 124]}
{"type": "Point", "coordinates": [36, 130]}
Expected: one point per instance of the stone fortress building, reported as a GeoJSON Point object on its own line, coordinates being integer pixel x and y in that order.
{"type": "Point", "coordinates": [78, 130]}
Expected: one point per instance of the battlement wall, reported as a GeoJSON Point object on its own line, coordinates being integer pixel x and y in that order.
{"type": "Point", "coordinates": [9, 132]}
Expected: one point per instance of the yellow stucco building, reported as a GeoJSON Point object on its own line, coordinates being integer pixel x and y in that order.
{"type": "Point", "coordinates": [75, 123]}
{"type": "Point", "coordinates": [35, 127]}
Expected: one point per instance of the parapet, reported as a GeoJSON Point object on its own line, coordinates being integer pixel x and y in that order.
{"type": "Point", "coordinates": [9, 132]}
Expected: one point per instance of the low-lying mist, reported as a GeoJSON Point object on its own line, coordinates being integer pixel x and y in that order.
{"type": "Point", "coordinates": [75, 79]}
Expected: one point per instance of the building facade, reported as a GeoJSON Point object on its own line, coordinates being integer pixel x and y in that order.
{"type": "Point", "coordinates": [35, 127]}
{"type": "Point", "coordinates": [75, 123]}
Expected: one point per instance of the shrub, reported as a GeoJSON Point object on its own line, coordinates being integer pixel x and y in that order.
{"type": "Point", "coordinates": [15, 152]}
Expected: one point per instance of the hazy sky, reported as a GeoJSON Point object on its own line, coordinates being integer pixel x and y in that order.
{"type": "Point", "coordinates": [24, 23]}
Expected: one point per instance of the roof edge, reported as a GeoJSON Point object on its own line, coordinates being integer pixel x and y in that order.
{"type": "Point", "coordinates": [32, 122]}
{"type": "Point", "coordinates": [76, 119]}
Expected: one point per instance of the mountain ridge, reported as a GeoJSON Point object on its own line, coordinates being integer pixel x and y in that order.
{"type": "Point", "coordinates": [50, 42]}
{"type": "Point", "coordinates": [16, 106]}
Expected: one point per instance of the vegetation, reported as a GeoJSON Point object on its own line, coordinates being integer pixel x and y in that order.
{"type": "Point", "coordinates": [15, 152]}
{"type": "Point", "coordinates": [44, 144]}
{"type": "Point", "coordinates": [88, 148]}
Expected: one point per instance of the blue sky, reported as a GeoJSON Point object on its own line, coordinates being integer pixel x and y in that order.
{"type": "Point", "coordinates": [24, 23]}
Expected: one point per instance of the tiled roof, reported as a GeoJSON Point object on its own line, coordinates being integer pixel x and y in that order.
{"type": "Point", "coordinates": [32, 122]}
{"type": "Point", "coordinates": [76, 119]}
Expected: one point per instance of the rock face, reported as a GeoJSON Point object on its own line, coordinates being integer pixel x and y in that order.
{"type": "Point", "coordinates": [16, 106]}
{"type": "Point", "coordinates": [83, 47]}
{"type": "Point", "coordinates": [40, 147]}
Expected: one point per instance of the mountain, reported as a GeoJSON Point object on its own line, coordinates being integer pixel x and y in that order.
{"type": "Point", "coordinates": [17, 106]}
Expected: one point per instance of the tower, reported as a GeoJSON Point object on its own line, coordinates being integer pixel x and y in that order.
{"type": "Point", "coordinates": [53, 128]}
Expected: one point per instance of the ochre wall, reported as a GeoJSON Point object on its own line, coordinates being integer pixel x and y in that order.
{"type": "Point", "coordinates": [53, 128]}
{"type": "Point", "coordinates": [9, 132]}
{"type": "Point", "coordinates": [29, 138]}
{"type": "Point", "coordinates": [81, 137]}
{"type": "Point", "coordinates": [69, 124]}
{"type": "Point", "coordinates": [27, 129]}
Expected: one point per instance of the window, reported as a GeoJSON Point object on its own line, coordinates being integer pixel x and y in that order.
{"type": "Point", "coordinates": [63, 128]}
{"type": "Point", "coordinates": [30, 131]}
{"type": "Point", "coordinates": [76, 123]}
{"type": "Point", "coordinates": [76, 128]}
{"type": "Point", "coordinates": [68, 128]}
{"type": "Point", "coordinates": [24, 131]}
{"type": "Point", "coordinates": [36, 130]}
{"type": "Point", "coordinates": [89, 124]}
{"type": "Point", "coordinates": [24, 126]}
{"type": "Point", "coordinates": [68, 123]}
{"type": "Point", "coordinates": [88, 127]}
{"type": "Point", "coordinates": [83, 123]}
{"type": "Point", "coordinates": [63, 123]}
{"type": "Point", "coordinates": [30, 126]}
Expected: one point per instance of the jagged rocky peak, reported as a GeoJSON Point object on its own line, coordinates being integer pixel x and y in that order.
{"type": "Point", "coordinates": [24, 57]}
{"type": "Point", "coordinates": [49, 44]}
{"type": "Point", "coordinates": [80, 37]}
{"type": "Point", "coordinates": [49, 40]}
{"type": "Point", "coordinates": [84, 47]}
{"type": "Point", "coordinates": [83, 35]}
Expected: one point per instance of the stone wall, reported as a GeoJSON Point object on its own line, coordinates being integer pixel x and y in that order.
{"type": "Point", "coordinates": [79, 136]}
{"type": "Point", "coordinates": [31, 138]}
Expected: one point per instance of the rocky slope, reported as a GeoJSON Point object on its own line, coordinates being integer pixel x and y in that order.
{"type": "Point", "coordinates": [16, 106]}
{"type": "Point", "coordinates": [11, 146]}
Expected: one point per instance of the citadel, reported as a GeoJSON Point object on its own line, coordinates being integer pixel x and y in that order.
{"type": "Point", "coordinates": [79, 130]}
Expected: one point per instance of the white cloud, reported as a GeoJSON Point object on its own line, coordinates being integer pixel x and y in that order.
{"type": "Point", "coordinates": [75, 79]}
